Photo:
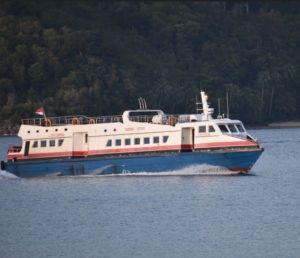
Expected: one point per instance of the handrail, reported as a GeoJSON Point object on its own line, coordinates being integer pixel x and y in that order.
{"type": "Point", "coordinates": [83, 120]}
{"type": "Point", "coordinates": [67, 120]}
{"type": "Point", "coordinates": [247, 139]}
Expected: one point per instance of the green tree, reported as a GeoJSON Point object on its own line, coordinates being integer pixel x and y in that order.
{"type": "Point", "coordinates": [263, 80]}
{"type": "Point", "coordinates": [161, 89]}
{"type": "Point", "coordinates": [275, 78]}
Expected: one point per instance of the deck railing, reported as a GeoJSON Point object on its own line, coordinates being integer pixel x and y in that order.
{"type": "Point", "coordinates": [71, 120]}
{"type": "Point", "coordinates": [83, 120]}
{"type": "Point", "coordinates": [13, 149]}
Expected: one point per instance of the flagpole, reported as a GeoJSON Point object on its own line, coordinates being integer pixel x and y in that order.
{"type": "Point", "coordinates": [44, 114]}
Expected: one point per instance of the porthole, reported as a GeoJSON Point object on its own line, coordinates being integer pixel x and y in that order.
{"type": "Point", "coordinates": [47, 130]}
{"type": "Point", "coordinates": [66, 129]}
{"type": "Point", "coordinates": [37, 131]}
{"type": "Point", "coordinates": [115, 130]}
{"type": "Point", "coordinates": [105, 130]}
{"type": "Point", "coordinates": [28, 131]}
{"type": "Point", "coordinates": [55, 130]}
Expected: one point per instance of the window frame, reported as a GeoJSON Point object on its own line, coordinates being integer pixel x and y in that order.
{"type": "Point", "coordinates": [109, 141]}
{"type": "Point", "coordinates": [211, 126]}
{"type": "Point", "coordinates": [155, 138]}
{"type": "Point", "coordinates": [201, 126]}
{"type": "Point", "coordinates": [51, 141]}
{"type": "Point", "coordinates": [60, 142]}
{"type": "Point", "coordinates": [244, 131]}
{"type": "Point", "coordinates": [164, 137]}
{"type": "Point", "coordinates": [135, 141]}
{"type": "Point", "coordinates": [236, 130]}
{"type": "Point", "coordinates": [148, 138]}
{"type": "Point", "coordinates": [228, 131]}
{"type": "Point", "coordinates": [43, 141]}
{"type": "Point", "coordinates": [35, 143]}
{"type": "Point", "coordinates": [118, 140]}
{"type": "Point", "coordinates": [127, 142]}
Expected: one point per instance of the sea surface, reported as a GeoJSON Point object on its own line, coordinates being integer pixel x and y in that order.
{"type": "Point", "coordinates": [199, 211]}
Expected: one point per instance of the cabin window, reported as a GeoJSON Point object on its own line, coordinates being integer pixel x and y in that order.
{"type": "Point", "coordinates": [137, 141]}
{"type": "Point", "coordinates": [86, 138]}
{"type": "Point", "coordinates": [60, 142]}
{"type": "Point", "coordinates": [156, 140]}
{"type": "Point", "coordinates": [108, 144]}
{"type": "Point", "coordinates": [35, 144]}
{"type": "Point", "coordinates": [43, 143]}
{"type": "Point", "coordinates": [202, 129]}
{"type": "Point", "coordinates": [52, 143]}
{"type": "Point", "coordinates": [146, 140]}
{"type": "Point", "coordinates": [165, 139]}
{"type": "Point", "coordinates": [232, 128]}
{"type": "Point", "coordinates": [118, 142]}
{"type": "Point", "coordinates": [223, 128]}
{"type": "Point", "coordinates": [127, 141]}
{"type": "Point", "coordinates": [240, 128]}
{"type": "Point", "coordinates": [211, 129]}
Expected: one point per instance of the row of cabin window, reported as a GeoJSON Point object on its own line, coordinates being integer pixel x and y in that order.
{"type": "Point", "coordinates": [52, 143]}
{"type": "Point", "coordinates": [202, 129]}
{"type": "Point", "coordinates": [234, 128]}
{"type": "Point", "coordinates": [137, 141]}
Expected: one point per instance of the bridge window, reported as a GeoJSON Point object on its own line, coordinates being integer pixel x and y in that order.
{"type": "Point", "coordinates": [35, 144]}
{"type": "Point", "coordinates": [60, 142]}
{"type": "Point", "coordinates": [211, 129]}
{"type": "Point", "coordinates": [108, 144]}
{"type": "Point", "coordinates": [127, 141]}
{"type": "Point", "coordinates": [43, 143]}
{"type": "Point", "coordinates": [165, 139]}
{"type": "Point", "coordinates": [118, 142]}
{"type": "Point", "coordinates": [52, 143]}
{"type": "Point", "coordinates": [202, 129]}
{"type": "Point", "coordinates": [232, 128]}
{"type": "Point", "coordinates": [146, 140]}
{"type": "Point", "coordinates": [137, 141]}
{"type": "Point", "coordinates": [223, 128]}
{"type": "Point", "coordinates": [156, 140]}
{"type": "Point", "coordinates": [240, 128]}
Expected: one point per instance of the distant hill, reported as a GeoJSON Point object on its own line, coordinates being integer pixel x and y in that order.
{"type": "Point", "coordinates": [97, 58]}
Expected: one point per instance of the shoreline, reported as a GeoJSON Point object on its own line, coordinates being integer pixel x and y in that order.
{"type": "Point", "coordinates": [282, 125]}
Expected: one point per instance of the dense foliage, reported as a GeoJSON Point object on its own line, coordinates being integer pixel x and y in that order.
{"type": "Point", "coordinates": [97, 58]}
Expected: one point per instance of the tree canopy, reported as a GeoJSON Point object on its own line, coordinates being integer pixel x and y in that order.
{"type": "Point", "coordinates": [97, 58]}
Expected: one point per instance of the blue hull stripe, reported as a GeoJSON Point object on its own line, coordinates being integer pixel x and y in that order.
{"type": "Point", "coordinates": [154, 163]}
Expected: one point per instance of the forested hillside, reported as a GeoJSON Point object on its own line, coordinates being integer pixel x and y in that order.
{"type": "Point", "coordinates": [97, 58]}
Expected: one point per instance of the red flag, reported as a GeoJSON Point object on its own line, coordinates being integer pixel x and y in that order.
{"type": "Point", "coordinates": [40, 111]}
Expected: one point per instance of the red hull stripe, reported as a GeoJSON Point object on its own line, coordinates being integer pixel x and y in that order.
{"type": "Point", "coordinates": [127, 150]}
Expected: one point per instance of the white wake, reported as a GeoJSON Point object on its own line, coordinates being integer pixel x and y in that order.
{"type": "Point", "coordinates": [4, 175]}
{"type": "Point", "coordinates": [205, 170]}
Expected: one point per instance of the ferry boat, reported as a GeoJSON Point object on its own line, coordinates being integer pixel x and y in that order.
{"type": "Point", "coordinates": [140, 140]}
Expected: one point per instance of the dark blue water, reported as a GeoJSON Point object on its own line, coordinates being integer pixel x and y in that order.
{"type": "Point", "coordinates": [198, 212]}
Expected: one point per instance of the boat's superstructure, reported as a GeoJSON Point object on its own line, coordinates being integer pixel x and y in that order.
{"type": "Point", "coordinates": [136, 134]}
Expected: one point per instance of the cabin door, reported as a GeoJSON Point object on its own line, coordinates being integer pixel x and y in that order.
{"type": "Point", "coordinates": [187, 139]}
{"type": "Point", "coordinates": [80, 144]}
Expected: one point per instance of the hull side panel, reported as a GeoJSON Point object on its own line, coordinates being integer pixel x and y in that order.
{"type": "Point", "coordinates": [236, 161]}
